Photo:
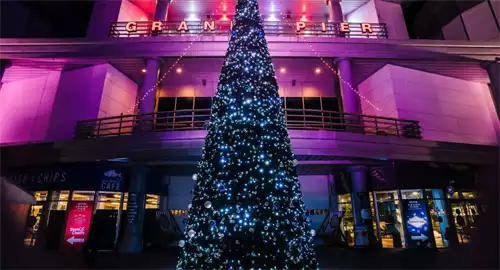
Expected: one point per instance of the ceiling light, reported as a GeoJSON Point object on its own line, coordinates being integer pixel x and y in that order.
{"type": "Point", "coordinates": [143, 70]}
{"type": "Point", "coordinates": [282, 70]}
{"type": "Point", "coordinates": [178, 70]}
{"type": "Point", "coordinates": [317, 70]}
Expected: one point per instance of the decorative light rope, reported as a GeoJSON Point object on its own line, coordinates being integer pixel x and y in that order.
{"type": "Point", "coordinates": [349, 85]}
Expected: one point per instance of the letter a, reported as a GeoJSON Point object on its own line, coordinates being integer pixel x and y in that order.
{"type": "Point", "coordinates": [183, 26]}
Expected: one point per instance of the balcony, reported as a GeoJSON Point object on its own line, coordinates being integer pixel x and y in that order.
{"type": "Point", "coordinates": [223, 28]}
{"type": "Point", "coordinates": [297, 119]}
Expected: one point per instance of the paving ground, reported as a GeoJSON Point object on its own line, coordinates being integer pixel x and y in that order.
{"type": "Point", "coordinates": [329, 258]}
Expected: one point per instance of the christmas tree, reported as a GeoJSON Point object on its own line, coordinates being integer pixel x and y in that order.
{"type": "Point", "coordinates": [247, 210]}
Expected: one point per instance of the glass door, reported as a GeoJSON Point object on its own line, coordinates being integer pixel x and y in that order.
{"type": "Point", "coordinates": [347, 223]}
{"type": "Point", "coordinates": [390, 220]}
{"type": "Point", "coordinates": [465, 212]}
{"type": "Point", "coordinates": [438, 216]}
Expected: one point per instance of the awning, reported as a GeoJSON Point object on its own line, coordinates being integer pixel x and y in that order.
{"type": "Point", "coordinates": [12, 194]}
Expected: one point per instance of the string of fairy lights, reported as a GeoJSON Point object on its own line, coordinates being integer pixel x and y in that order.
{"type": "Point", "coordinates": [314, 51]}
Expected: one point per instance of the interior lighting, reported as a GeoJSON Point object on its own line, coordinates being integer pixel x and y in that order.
{"type": "Point", "coordinates": [178, 70]}
{"type": "Point", "coordinates": [282, 70]}
{"type": "Point", "coordinates": [272, 18]}
{"type": "Point", "coordinates": [143, 70]}
{"type": "Point", "coordinates": [317, 70]}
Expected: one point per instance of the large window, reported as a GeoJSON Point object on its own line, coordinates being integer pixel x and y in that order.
{"type": "Point", "coordinates": [390, 219]}
{"type": "Point", "coordinates": [347, 225]}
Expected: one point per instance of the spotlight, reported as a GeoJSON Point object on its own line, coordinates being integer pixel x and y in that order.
{"type": "Point", "coordinates": [143, 70]}
{"type": "Point", "coordinates": [317, 70]}
{"type": "Point", "coordinates": [178, 70]}
{"type": "Point", "coordinates": [282, 70]}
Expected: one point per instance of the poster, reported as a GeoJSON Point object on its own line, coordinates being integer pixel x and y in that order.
{"type": "Point", "coordinates": [418, 227]}
{"type": "Point", "coordinates": [77, 226]}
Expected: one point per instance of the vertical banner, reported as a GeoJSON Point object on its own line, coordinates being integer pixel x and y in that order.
{"type": "Point", "coordinates": [77, 226]}
{"type": "Point", "coordinates": [418, 227]}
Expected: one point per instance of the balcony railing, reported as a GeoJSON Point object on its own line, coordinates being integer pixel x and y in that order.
{"type": "Point", "coordinates": [297, 119]}
{"type": "Point", "coordinates": [196, 28]}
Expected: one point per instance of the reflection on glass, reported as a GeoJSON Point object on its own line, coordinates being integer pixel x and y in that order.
{"type": "Point", "coordinates": [347, 224]}
{"type": "Point", "coordinates": [83, 195]}
{"type": "Point", "coordinates": [58, 205]}
{"type": "Point", "coordinates": [41, 195]}
{"type": "Point", "coordinates": [391, 228]}
{"type": "Point", "coordinates": [465, 214]}
{"type": "Point", "coordinates": [109, 200]}
{"type": "Point", "coordinates": [152, 201]}
{"type": "Point", "coordinates": [411, 194]}
{"type": "Point", "coordinates": [125, 200]}
{"type": "Point", "coordinates": [437, 209]}
{"type": "Point", "coordinates": [60, 195]}
{"type": "Point", "coordinates": [33, 223]}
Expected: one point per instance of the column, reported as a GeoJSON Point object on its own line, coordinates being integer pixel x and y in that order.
{"type": "Point", "coordinates": [4, 64]}
{"type": "Point", "coordinates": [132, 234]}
{"type": "Point", "coordinates": [165, 181]}
{"type": "Point", "coordinates": [363, 225]}
{"type": "Point", "coordinates": [493, 69]}
{"type": "Point", "coordinates": [350, 100]}
{"type": "Point", "coordinates": [335, 11]}
{"type": "Point", "coordinates": [161, 11]}
{"type": "Point", "coordinates": [147, 95]}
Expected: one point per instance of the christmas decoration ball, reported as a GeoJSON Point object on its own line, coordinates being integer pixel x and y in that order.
{"type": "Point", "coordinates": [191, 233]}
{"type": "Point", "coordinates": [313, 232]}
{"type": "Point", "coordinates": [189, 206]}
{"type": "Point", "coordinates": [182, 243]}
{"type": "Point", "coordinates": [195, 177]}
{"type": "Point", "coordinates": [208, 204]}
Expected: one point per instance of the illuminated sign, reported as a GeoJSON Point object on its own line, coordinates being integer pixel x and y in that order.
{"type": "Point", "coordinates": [169, 28]}
{"type": "Point", "coordinates": [418, 228]}
{"type": "Point", "coordinates": [78, 224]}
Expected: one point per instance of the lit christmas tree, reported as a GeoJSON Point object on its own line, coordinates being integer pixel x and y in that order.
{"type": "Point", "coordinates": [247, 210]}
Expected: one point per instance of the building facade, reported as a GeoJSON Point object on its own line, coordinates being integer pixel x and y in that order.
{"type": "Point", "coordinates": [109, 128]}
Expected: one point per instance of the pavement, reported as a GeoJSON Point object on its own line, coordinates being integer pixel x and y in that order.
{"type": "Point", "coordinates": [329, 258]}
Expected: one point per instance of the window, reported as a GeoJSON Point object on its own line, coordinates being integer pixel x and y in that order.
{"type": "Point", "coordinates": [347, 224]}
{"type": "Point", "coordinates": [83, 195]}
{"type": "Point", "coordinates": [410, 194]}
{"type": "Point", "coordinates": [41, 195]}
{"type": "Point", "coordinates": [152, 201]}
{"type": "Point", "coordinates": [294, 110]}
{"type": "Point", "coordinates": [438, 217]}
{"type": "Point", "coordinates": [59, 200]}
{"type": "Point", "coordinates": [390, 220]}
{"type": "Point", "coordinates": [202, 105]}
{"type": "Point", "coordinates": [313, 115]}
{"type": "Point", "coordinates": [109, 200]}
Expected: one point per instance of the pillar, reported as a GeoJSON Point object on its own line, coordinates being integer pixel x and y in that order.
{"type": "Point", "coordinates": [493, 69]}
{"type": "Point", "coordinates": [147, 95]}
{"type": "Point", "coordinates": [165, 182]}
{"type": "Point", "coordinates": [132, 234]}
{"type": "Point", "coordinates": [363, 225]}
{"type": "Point", "coordinates": [161, 11]}
{"type": "Point", "coordinates": [4, 64]}
{"type": "Point", "coordinates": [335, 11]}
{"type": "Point", "coordinates": [350, 100]}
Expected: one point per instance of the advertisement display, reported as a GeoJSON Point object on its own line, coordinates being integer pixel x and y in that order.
{"type": "Point", "coordinates": [77, 226]}
{"type": "Point", "coordinates": [418, 227]}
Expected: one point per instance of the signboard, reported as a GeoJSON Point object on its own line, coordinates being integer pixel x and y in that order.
{"type": "Point", "coordinates": [69, 176]}
{"type": "Point", "coordinates": [78, 224]}
{"type": "Point", "coordinates": [132, 207]}
{"type": "Point", "coordinates": [418, 227]}
{"type": "Point", "coordinates": [275, 28]}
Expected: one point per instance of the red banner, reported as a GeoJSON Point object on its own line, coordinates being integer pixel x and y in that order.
{"type": "Point", "coordinates": [77, 226]}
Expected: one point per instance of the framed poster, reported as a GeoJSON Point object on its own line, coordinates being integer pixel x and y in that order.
{"type": "Point", "coordinates": [419, 232]}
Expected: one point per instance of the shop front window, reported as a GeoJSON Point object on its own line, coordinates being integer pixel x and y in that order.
{"type": "Point", "coordinates": [41, 195]}
{"type": "Point", "coordinates": [439, 219]}
{"type": "Point", "coordinates": [33, 223]}
{"type": "Point", "coordinates": [83, 195]}
{"type": "Point", "coordinates": [465, 212]}
{"type": "Point", "coordinates": [59, 200]}
{"type": "Point", "coordinates": [411, 194]}
{"type": "Point", "coordinates": [390, 221]}
{"type": "Point", "coordinates": [152, 201]}
{"type": "Point", "coordinates": [109, 200]}
{"type": "Point", "coordinates": [347, 223]}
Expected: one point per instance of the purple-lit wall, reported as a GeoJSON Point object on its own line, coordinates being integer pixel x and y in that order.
{"type": "Point", "coordinates": [189, 82]}
{"type": "Point", "coordinates": [449, 109]}
{"type": "Point", "coordinates": [26, 105]}
{"type": "Point", "coordinates": [105, 12]}
{"type": "Point", "coordinates": [88, 93]}
{"type": "Point", "coordinates": [379, 11]}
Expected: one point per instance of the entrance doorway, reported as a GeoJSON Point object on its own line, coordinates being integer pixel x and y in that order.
{"type": "Point", "coordinates": [466, 211]}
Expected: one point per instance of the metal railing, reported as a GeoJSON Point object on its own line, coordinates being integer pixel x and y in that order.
{"type": "Point", "coordinates": [198, 119]}
{"type": "Point", "coordinates": [196, 28]}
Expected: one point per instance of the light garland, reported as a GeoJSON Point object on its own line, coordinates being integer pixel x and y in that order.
{"type": "Point", "coordinates": [340, 77]}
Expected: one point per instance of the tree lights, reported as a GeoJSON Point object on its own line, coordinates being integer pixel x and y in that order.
{"type": "Point", "coordinates": [247, 210]}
